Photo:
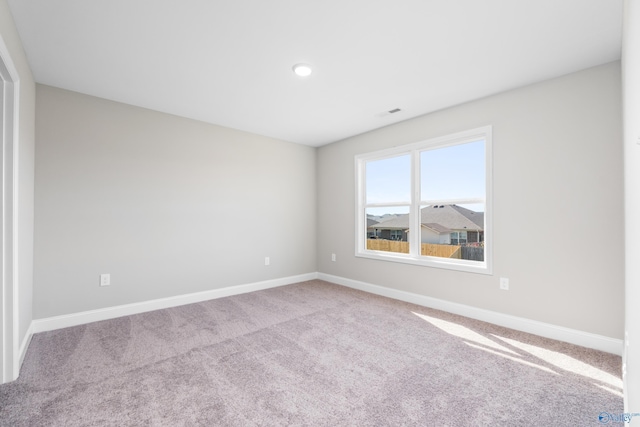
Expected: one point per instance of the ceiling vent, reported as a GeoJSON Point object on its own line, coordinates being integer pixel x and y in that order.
{"type": "Point", "coordinates": [388, 113]}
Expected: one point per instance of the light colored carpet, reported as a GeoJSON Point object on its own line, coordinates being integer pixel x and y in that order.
{"type": "Point", "coordinates": [313, 354]}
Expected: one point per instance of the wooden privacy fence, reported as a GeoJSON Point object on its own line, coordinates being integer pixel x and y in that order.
{"type": "Point", "coordinates": [475, 253]}
{"type": "Point", "coordinates": [388, 245]}
{"type": "Point", "coordinates": [428, 249]}
{"type": "Point", "coordinates": [442, 251]}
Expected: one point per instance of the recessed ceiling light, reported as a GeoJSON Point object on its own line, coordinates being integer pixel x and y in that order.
{"type": "Point", "coordinates": [302, 70]}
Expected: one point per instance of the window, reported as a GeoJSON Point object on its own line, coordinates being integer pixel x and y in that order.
{"type": "Point", "coordinates": [459, 238]}
{"type": "Point", "coordinates": [428, 203]}
{"type": "Point", "coordinates": [396, 234]}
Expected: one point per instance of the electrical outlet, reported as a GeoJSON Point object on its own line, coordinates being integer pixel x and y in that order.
{"type": "Point", "coordinates": [333, 257]}
{"type": "Point", "coordinates": [105, 279]}
{"type": "Point", "coordinates": [267, 261]}
{"type": "Point", "coordinates": [504, 283]}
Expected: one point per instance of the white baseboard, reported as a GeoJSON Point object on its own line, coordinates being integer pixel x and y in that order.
{"type": "Point", "coordinates": [584, 339]}
{"type": "Point", "coordinates": [24, 345]}
{"type": "Point", "coordinates": [65, 321]}
{"type": "Point", "coordinates": [20, 354]}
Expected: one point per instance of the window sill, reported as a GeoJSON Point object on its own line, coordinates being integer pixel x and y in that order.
{"type": "Point", "coordinates": [433, 262]}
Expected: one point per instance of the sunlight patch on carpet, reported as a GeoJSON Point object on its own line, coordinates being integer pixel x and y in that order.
{"type": "Point", "coordinates": [464, 333]}
{"type": "Point", "coordinates": [515, 359]}
{"type": "Point", "coordinates": [566, 363]}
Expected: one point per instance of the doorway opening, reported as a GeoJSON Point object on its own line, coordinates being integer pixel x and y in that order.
{"type": "Point", "coordinates": [9, 346]}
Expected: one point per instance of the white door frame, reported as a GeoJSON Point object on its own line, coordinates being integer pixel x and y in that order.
{"type": "Point", "coordinates": [9, 336]}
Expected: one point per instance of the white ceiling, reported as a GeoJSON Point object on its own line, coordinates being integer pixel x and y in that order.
{"type": "Point", "coordinates": [229, 62]}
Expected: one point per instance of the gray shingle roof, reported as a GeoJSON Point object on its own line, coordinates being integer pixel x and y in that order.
{"type": "Point", "coordinates": [453, 217]}
{"type": "Point", "coordinates": [442, 219]}
{"type": "Point", "coordinates": [437, 227]}
{"type": "Point", "coordinates": [401, 222]}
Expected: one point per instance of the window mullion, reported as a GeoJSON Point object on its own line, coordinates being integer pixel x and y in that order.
{"type": "Point", "coordinates": [414, 218]}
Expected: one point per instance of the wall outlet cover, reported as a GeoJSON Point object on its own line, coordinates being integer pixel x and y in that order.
{"type": "Point", "coordinates": [105, 279]}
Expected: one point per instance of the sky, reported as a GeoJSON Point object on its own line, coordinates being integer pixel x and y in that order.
{"type": "Point", "coordinates": [446, 173]}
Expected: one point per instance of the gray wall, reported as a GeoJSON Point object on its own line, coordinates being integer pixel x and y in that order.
{"type": "Point", "coordinates": [558, 204]}
{"type": "Point", "coordinates": [166, 205]}
{"type": "Point", "coordinates": [25, 182]}
{"type": "Point", "coordinates": [170, 206]}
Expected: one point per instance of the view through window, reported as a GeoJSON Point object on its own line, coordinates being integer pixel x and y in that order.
{"type": "Point", "coordinates": [428, 203]}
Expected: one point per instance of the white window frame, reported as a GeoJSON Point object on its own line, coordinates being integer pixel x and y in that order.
{"type": "Point", "coordinates": [414, 257]}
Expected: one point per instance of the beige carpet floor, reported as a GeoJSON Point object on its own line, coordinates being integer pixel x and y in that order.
{"type": "Point", "coordinates": [309, 354]}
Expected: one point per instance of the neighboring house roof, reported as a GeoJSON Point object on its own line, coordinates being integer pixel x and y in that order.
{"type": "Point", "coordinates": [453, 217]}
{"type": "Point", "coordinates": [371, 222]}
{"type": "Point", "coordinates": [439, 218]}
{"type": "Point", "coordinates": [438, 228]}
{"type": "Point", "coordinates": [383, 218]}
{"type": "Point", "coordinates": [401, 222]}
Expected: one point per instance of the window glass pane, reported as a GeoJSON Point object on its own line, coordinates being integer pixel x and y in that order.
{"type": "Point", "coordinates": [387, 229]}
{"type": "Point", "coordinates": [389, 180]}
{"type": "Point", "coordinates": [456, 172]}
{"type": "Point", "coordinates": [452, 231]}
